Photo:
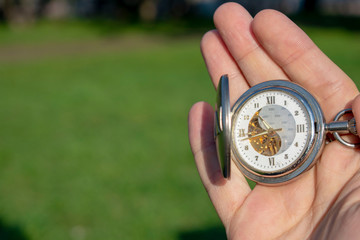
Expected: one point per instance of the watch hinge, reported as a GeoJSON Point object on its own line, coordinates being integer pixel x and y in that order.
{"type": "Point", "coordinates": [316, 125]}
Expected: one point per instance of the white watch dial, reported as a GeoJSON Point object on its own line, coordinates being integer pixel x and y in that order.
{"type": "Point", "coordinates": [270, 131]}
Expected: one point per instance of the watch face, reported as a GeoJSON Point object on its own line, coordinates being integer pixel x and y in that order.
{"type": "Point", "coordinates": [271, 131]}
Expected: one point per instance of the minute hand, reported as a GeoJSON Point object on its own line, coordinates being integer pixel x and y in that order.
{"type": "Point", "coordinates": [267, 125]}
{"type": "Point", "coordinates": [262, 133]}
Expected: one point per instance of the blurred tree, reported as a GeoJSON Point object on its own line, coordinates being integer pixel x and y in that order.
{"type": "Point", "coordinates": [11, 10]}
{"type": "Point", "coordinates": [19, 11]}
{"type": "Point", "coordinates": [311, 5]}
{"type": "Point", "coordinates": [27, 11]}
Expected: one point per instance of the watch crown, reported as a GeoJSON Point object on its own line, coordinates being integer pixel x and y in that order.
{"type": "Point", "coordinates": [352, 126]}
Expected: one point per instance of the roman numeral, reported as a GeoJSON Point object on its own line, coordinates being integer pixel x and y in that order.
{"type": "Point", "coordinates": [271, 161]}
{"type": "Point", "coordinates": [270, 100]}
{"type": "Point", "coordinates": [300, 128]}
{"type": "Point", "coordinates": [242, 132]}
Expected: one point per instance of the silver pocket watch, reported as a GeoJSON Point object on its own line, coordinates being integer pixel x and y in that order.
{"type": "Point", "coordinates": [274, 132]}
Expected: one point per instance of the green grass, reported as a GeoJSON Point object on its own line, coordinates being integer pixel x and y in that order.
{"type": "Point", "coordinates": [94, 145]}
{"type": "Point", "coordinates": [64, 31]}
{"type": "Point", "coordinates": [98, 144]}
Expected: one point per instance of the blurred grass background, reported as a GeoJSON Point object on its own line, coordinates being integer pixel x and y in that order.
{"type": "Point", "coordinates": [93, 129]}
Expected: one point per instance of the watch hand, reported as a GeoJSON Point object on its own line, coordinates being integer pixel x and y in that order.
{"type": "Point", "coordinates": [267, 125]}
{"type": "Point", "coordinates": [262, 133]}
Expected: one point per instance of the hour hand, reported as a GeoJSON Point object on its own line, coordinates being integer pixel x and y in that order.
{"type": "Point", "coordinates": [262, 133]}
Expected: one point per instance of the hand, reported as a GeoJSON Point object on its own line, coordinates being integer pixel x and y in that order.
{"type": "Point", "coordinates": [324, 202]}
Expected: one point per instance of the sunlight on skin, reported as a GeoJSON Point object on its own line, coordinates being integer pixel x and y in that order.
{"type": "Point", "coordinates": [269, 47]}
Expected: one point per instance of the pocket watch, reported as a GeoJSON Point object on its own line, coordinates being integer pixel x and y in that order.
{"type": "Point", "coordinates": [274, 132]}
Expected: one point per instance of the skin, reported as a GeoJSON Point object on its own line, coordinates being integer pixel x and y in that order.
{"type": "Point", "coordinates": [324, 202]}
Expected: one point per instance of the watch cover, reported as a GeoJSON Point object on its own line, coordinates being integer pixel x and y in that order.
{"type": "Point", "coordinates": [223, 125]}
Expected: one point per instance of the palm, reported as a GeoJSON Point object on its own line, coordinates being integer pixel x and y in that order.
{"type": "Point", "coordinates": [293, 210]}
{"type": "Point", "coordinates": [251, 51]}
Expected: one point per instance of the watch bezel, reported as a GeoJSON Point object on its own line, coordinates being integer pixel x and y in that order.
{"type": "Point", "coordinates": [315, 141]}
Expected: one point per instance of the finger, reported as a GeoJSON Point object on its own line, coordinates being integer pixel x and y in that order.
{"type": "Point", "coordinates": [233, 23]}
{"type": "Point", "coordinates": [303, 61]}
{"type": "Point", "coordinates": [225, 195]}
{"type": "Point", "coordinates": [356, 112]}
{"type": "Point", "coordinates": [219, 62]}
{"type": "Point", "coordinates": [305, 64]}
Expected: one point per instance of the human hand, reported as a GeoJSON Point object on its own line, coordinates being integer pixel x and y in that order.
{"type": "Point", "coordinates": [324, 202]}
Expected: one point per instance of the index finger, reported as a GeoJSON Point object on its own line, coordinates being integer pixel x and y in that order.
{"type": "Point", "coordinates": [303, 61]}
